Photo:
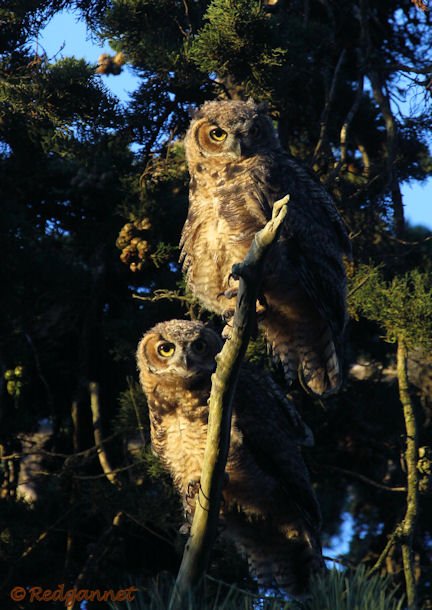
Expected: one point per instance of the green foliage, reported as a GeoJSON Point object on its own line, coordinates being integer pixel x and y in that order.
{"type": "Point", "coordinates": [237, 39]}
{"type": "Point", "coordinates": [402, 306]}
{"type": "Point", "coordinates": [335, 590]}
{"type": "Point", "coordinates": [217, 596]}
{"type": "Point", "coordinates": [351, 591]}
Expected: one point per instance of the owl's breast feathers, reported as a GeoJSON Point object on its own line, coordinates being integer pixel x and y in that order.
{"type": "Point", "coordinates": [227, 206]}
{"type": "Point", "coordinates": [178, 428]}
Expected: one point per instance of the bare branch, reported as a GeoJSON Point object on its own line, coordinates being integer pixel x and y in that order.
{"type": "Point", "coordinates": [98, 435]}
{"type": "Point", "coordinates": [362, 477]}
{"type": "Point", "coordinates": [392, 540]}
{"type": "Point", "coordinates": [345, 128]}
{"type": "Point", "coordinates": [204, 527]}
{"type": "Point", "coordinates": [406, 68]}
{"type": "Point", "coordinates": [411, 456]}
{"type": "Point", "coordinates": [326, 112]}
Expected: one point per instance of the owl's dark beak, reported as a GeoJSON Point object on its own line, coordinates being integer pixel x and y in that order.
{"type": "Point", "coordinates": [192, 365]}
{"type": "Point", "coordinates": [236, 148]}
{"type": "Point", "coordinates": [244, 145]}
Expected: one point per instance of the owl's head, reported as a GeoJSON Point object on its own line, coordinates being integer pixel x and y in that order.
{"type": "Point", "coordinates": [229, 131]}
{"type": "Point", "coordinates": [178, 350]}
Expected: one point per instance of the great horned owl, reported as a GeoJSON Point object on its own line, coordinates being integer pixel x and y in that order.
{"type": "Point", "coordinates": [238, 170]}
{"type": "Point", "coordinates": [269, 508]}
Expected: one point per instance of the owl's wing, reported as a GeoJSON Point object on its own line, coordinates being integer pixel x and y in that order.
{"type": "Point", "coordinates": [270, 433]}
{"type": "Point", "coordinates": [316, 238]}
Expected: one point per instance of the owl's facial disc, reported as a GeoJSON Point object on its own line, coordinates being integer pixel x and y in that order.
{"type": "Point", "coordinates": [191, 362]}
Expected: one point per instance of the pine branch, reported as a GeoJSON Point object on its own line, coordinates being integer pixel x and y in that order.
{"type": "Point", "coordinates": [204, 527]}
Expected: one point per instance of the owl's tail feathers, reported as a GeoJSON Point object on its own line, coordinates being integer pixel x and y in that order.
{"type": "Point", "coordinates": [288, 566]}
{"type": "Point", "coordinates": [294, 571]}
{"type": "Point", "coordinates": [315, 362]}
{"type": "Point", "coordinates": [319, 369]}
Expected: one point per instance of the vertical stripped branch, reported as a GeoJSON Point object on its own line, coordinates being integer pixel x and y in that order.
{"type": "Point", "coordinates": [204, 527]}
{"type": "Point", "coordinates": [343, 138]}
{"type": "Point", "coordinates": [98, 435]}
{"type": "Point", "coordinates": [411, 455]}
{"type": "Point", "coordinates": [383, 101]}
{"type": "Point", "coordinates": [326, 111]}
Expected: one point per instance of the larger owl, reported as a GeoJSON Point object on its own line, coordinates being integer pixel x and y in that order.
{"type": "Point", "coordinates": [269, 508]}
{"type": "Point", "coordinates": [237, 171]}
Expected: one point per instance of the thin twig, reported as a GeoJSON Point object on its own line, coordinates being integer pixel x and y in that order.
{"type": "Point", "coordinates": [363, 281]}
{"type": "Point", "coordinates": [362, 477]}
{"type": "Point", "coordinates": [67, 456]}
{"type": "Point", "coordinates": [144, 526]}
{"type": "Point", "coordinates": [390, 543]}
{"type": "Point", "coordinates": [114, 471]}
{"type": "Point", "coordinates": [137, 413]}
{"type": "Point", "coordinates": [406, 68]}
{"type": "Point", "coordinates": [49, 395]}
{"type": "Point", "coordinates": [169, 295]}
{"type": "Point", "coordinates": [326, 111]}
{"type": "Point", "coordinates": [343, 138]}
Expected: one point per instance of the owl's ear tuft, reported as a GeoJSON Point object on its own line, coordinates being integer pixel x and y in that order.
{"type": "Point", "coordinates": [250, 102]}
{"type": "Point", "coordinates": [196, 113]}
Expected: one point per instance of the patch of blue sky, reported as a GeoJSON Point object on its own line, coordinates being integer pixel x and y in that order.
{"type": "Point", "coordinates": [340, 544]}
{"type": "Point", "coordinates": [66, 35]}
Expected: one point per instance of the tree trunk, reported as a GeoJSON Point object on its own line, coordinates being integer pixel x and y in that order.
{"type": "Point", "coordinates": [411, 454]}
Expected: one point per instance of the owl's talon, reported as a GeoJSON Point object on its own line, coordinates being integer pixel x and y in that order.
{"type": "Point", "coordinates": [234, 275]}
{"type": "Point", "coordinates": [185, 529]}
{"type": "Point", "coordinates": [228, 314]}
{"type": "Point", "coordinates": [231, 293]}
{"type": "Point", "coordinates": [192, 489]}
{"type": "Point", "coordinates": [226, 332]}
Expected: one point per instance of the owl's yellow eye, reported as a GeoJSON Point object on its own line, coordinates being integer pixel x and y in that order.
{"type": "Point", "coordinates": [199, 346]}
{"type": "Point", "coordinates": [217, 134]}
{"type": "Point", "coordinates": [166, 350]}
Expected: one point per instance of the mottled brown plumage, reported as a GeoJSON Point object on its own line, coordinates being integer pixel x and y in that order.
{"type": "Point", "coordinates": [269, 509]}
{"type": "Point", "coordinates": [238, 170]}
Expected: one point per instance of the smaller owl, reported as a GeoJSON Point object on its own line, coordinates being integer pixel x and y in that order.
{"type": "Point", "coordinates": [269, 509]}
